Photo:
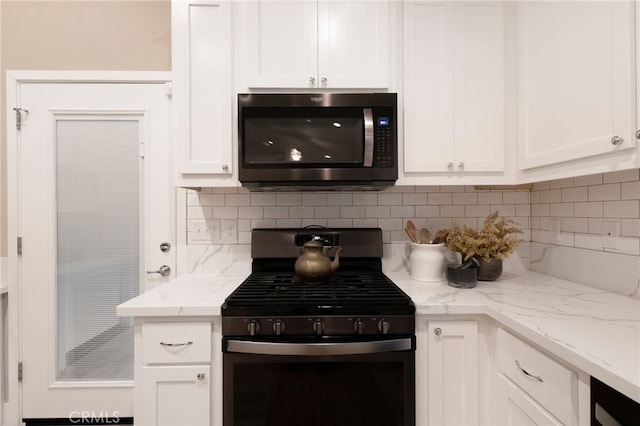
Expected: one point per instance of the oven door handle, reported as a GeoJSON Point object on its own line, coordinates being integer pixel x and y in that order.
{"type": "Point", "coordinates": [368, 137]}
{"type": "Point", "coordinates": [314, 349]}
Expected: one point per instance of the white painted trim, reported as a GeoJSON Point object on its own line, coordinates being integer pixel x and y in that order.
{"type": "Point", "coordinates": [11, 412]}
{"type": "Point", "coordinates": [181, 232]}
{"type": "Point", "coordinates": [21, 76]}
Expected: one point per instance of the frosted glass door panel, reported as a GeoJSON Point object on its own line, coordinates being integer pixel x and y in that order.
{"type": "Point", "coordinates": [98, 245]}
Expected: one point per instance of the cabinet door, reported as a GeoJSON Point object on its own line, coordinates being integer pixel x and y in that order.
{"type": "Point", "coordinates": [176, 396]}
{"type": "Point", "coordinates": [202, 96]}
{"type": "Point", "coordinates": [575, 79]}
{"type": "Point", "coordinates": [452, 373]}
{"type": "Point", "coordinates": [428, 86]}
{"type": "Point", "coordinates": [479, 86]}
{"type": "Point", "coordinates": [282, 43]}
{"type": "Point", "coordinates": [453, 87]}
{"type": "Point", "coordinates": [353, 44]}
{"type": "Point", "coordinates": [516, 408]}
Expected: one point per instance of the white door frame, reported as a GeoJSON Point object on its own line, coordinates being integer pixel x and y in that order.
{"type": "Point", "coordinates": [12, 410]}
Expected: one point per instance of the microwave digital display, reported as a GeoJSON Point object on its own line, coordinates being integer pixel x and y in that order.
{"type": "Point", "coordinates": [383, 122]}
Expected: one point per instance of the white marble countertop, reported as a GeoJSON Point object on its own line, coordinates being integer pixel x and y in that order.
{"type": "Point", "coordinates": [596, 331]}
{"type": "Point", "coordinates": [187, 295]}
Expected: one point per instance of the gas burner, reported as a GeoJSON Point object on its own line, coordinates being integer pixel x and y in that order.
{"type": "Point", "coordinates": [358, 287]}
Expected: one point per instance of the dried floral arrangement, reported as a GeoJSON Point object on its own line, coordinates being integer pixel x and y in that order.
{"type": "Point", "coordinates": [496, 238]}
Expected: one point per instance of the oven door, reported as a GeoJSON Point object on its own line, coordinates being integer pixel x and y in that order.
{"type": "Point", "coordinates": [327, 382]}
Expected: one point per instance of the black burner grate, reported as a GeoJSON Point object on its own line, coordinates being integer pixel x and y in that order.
{"type": "Point", "coordinates": [343, 290]}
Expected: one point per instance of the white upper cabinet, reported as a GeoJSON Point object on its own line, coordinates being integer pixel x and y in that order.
{"type": "Point", "coordinates": [308, 44]}
{"type": "Point", "coordinates": [202, 89]}
{"type": "Point", "coordinates": [453, 87]}
{"type": "Point", "coordinates": [282, 43]}
{"type": "Point", "coordinates": [576, 81]}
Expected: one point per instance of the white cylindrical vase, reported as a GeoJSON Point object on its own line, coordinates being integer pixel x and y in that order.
{"type": "Point", "coordinates": [427, 262]}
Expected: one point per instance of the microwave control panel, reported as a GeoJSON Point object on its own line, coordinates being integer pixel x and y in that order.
{"type": "Point", "coordinates": [383, 147]}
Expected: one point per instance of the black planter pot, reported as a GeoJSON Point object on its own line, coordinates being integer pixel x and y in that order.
{"type": "Point", "coordinates": [489, 270]}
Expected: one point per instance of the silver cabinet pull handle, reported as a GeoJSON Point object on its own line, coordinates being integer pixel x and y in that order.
{"type": "Point", "coordinates": [638, 134]}
{"type": "Point", "coordinates": [437, 331]}
{"type": "Point", "coordinates": [526, 373]}
{"type": "Point", "coordinates": [323, 81]}
{"type": "Point", "coordinates": [461, 165]}
{"type": "Point", "coordinates": [312, 82]}
{"type": "Point", "coordinates": [450, 165]}
{"type": "Point", "coordinates": [616, 140]}
{"type": "Point", "coordinates": [201, 376]}
{"type": "Point", "coordinates": [174, 345]}
{"type": "Point", "coordinates": [164, 270]}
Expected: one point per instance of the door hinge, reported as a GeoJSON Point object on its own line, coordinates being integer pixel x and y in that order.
{"type": "Point", "coordinates": [19, 246]}
{"type": "Point", "coordinates": [20, 371]}
{"type": "Point", "coordinates": [19, 112]}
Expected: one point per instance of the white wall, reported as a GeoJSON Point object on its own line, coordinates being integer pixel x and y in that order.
{"type": "Point", "coordinates": [78, 35]}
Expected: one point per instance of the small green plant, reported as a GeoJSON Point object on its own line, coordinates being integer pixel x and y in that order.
{"type": "Point", "coordinates": [495, 240]}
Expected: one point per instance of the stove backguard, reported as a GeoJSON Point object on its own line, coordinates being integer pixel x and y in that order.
{"type": "Point", "coordinates": [363, 243]}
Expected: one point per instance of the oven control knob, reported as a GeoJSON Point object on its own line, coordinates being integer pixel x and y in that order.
{"type": "Point", "coordinates": [254, 327]}
{"type": "Point", "coordinates": [278, 327]}
{"type": "Point", "coordinates": [384, 326]}
{"type": "Point", "coordinates": [358, 326]}
{"type": "Point", "coordinates": [318, 327]}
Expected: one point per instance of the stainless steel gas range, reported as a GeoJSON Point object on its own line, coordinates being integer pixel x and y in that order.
{"type": "Point", "coordinates": [335, 352]}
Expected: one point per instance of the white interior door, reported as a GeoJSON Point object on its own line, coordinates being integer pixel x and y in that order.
{"type": "Point", "coordinates": [96, 202]}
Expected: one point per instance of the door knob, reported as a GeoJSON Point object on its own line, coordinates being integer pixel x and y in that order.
{"type": "Point", "coordinates": [164, 270]}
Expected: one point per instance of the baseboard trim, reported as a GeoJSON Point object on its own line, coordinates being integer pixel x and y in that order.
{"type": "Point", "coordinates": [86, 420]}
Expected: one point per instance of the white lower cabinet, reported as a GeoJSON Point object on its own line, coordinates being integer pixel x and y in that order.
{"type": "Point", "coordinates": [173, 382]}
{"type": "Point", "coordinates": [533, 389]}
{"type": "Point", "coordinates": [515, 407]}
{"type": "Point", "coordinates": [176, 395]}
{"type": "Point", "coordinates": [447, 391]}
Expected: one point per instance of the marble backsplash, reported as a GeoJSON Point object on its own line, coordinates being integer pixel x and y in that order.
{"type": "Point", "coordinates": [577, 208]}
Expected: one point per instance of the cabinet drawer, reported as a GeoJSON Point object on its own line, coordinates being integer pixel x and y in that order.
{"type": "Point", "coordinates": [552, 385]}
{"type": "Point", "coordinates": [176, 342]}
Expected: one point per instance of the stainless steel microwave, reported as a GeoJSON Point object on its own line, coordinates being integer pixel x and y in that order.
{"type": "Point", "coordinates": [317, 140]}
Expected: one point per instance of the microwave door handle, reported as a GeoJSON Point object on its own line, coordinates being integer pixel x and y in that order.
{"type": "Point", "coordinates": [368, 137]}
